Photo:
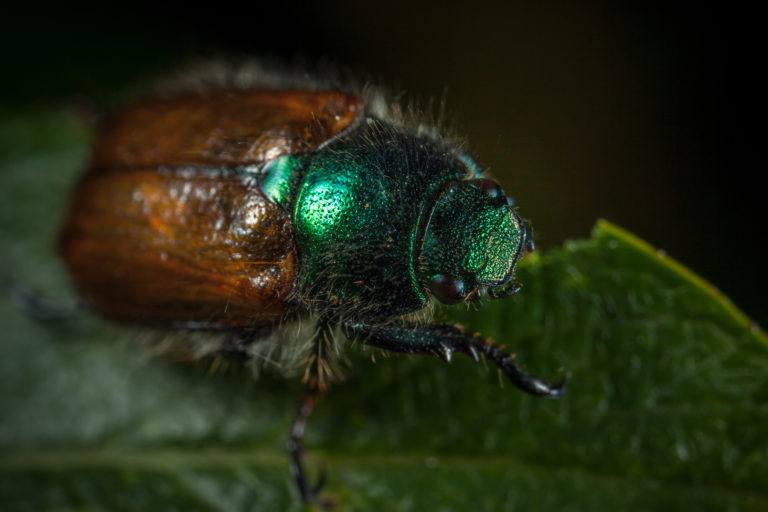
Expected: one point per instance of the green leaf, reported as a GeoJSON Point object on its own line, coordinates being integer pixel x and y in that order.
{"type": "Point", "coordinates": [667, 403]}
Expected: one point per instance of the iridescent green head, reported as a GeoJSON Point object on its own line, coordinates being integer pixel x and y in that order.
{"type": "Point", "coordinates": [471, 242]}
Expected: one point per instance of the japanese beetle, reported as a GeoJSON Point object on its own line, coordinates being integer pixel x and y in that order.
{"type": "Point", "coordinates": [243, 210]}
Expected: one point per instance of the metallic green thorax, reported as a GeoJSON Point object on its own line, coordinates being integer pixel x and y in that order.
{"type": "Point", "coordinates": [370, 209]}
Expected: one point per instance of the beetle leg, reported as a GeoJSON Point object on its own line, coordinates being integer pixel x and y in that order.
{"type": "Point", "coordinates": [309, 493]}
{"type": "Point", "coordinates": [317, 376]}
{"type": "Point", "coordinates": [38, 307]}
{"type": "Point", "coordinates": [443, 340]}
{"type": "Point", "coordinates": [320, 371]}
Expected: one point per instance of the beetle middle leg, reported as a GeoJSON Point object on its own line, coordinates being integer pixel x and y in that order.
{"type": "Point", "coordinates": [444, 340]}
{"type": "Point", "coordinates": [317, 376]}
{"type": "Point", "coordinates": [310, 493]}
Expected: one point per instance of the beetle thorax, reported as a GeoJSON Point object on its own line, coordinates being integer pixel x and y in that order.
{"type": "Point", "coordinates": [357, 212]}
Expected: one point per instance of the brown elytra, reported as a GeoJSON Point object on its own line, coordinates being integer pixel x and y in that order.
{"type": "Point", "coordinates": [166, 228]}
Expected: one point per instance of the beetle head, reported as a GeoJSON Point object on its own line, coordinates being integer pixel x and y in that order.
{"type": "Point", "coordinates": [471, 242]}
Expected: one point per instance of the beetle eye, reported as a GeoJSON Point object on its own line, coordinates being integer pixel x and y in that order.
{"type": "Point", "coordinates": [447, 290]}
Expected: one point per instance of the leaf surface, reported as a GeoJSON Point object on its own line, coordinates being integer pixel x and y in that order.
{"type": "Point", "coordinates": [667, 404]}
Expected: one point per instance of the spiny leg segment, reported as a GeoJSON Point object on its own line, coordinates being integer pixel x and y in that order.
{"type": "Point", "coordinates": [441, 340]}
{"type": "Point", "coordinates": [316, 378]}
{"type": "Point", "coordinates": [309, 493]}
{"type": "Point", "coordinates": [444, 340]}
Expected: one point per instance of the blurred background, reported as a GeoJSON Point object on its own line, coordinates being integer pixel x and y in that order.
{"type": "Point", "coordinates": [582, 110]}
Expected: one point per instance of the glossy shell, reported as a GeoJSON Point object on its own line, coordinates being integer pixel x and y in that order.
{"type": "Point", "coordinates": [169, 225]}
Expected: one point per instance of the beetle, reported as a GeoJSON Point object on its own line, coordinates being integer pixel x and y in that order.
{"type": "Point", "coordinates": [238, 211]}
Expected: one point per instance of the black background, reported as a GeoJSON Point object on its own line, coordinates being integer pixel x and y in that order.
{"type": "Point", "coordinates": [640, 115]}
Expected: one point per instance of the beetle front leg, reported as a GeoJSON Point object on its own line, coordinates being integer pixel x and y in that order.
{"type": "Point", "coordinates": [444, 340]}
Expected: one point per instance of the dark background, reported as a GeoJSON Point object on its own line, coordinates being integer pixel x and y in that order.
{"type": "Point", "coordinates": [582, 110]}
